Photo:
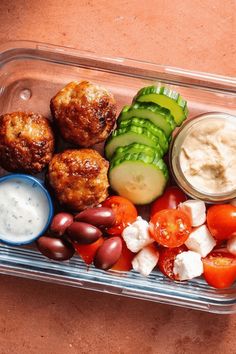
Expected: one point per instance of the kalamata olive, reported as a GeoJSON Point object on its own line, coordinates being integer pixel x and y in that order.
{"type": "Point", "coordinates": [109, 253]}
{"type": "Point", "coordinates": [60, 222]}
{"type": "Point", "coordinates": [101, 217]}
{"type": "Point", "coordinates": [55, 248]}
{"type": "Point", "coordinates": [83, 233]}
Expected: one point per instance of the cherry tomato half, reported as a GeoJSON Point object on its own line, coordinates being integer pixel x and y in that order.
{"type": "Point", "coordinates": [125, 261]}
{"type": "Point", "coordinates": [125, 213]}
{"type": "Point", "coordinates": [166, 260]}
{"type": "Point", "coordinates": [221, 221]}
{"type": "Point", "coordinates": [87, 252]}
{"type": "Point", "coordinates": [220, 268]}
{"type": "Point", "coordinates": [169, 200]}
{"type": "Point", "coordinates": [170, 227]}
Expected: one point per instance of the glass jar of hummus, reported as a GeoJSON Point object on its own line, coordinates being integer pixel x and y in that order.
{"type": "Point", "coordinates": [203, 157]}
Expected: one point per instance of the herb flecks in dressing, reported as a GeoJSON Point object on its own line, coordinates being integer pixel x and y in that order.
{"type": "Point", "coordinates": [23, 210]}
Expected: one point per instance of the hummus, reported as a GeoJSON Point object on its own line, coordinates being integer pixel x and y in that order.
{"type": "Point", "coordinates": [208, 155]}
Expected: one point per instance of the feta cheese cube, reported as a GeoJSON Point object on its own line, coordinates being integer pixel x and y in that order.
{"type": "Point", "coordinates": [136, 235]}
{"type": "Point", "coordinates": [231, 245]}
{"type": "Point", "coordinates": [146, 260]}
{"type": "Point", "coordinates": [201, 241]}
{"type": "Point", "coordinates": [196, 210]}
{"type": "Point", "coordinates": [188, 265]}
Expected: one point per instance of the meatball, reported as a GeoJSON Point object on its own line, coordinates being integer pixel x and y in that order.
{"type": "Point", "coordinates": [79, 178]}
{"type": "Point", "coordinates": [85, 113]}
{"type": "Point", "coordinates": [26, 142]}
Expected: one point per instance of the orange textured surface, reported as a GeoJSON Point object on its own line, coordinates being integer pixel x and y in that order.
{"type": "Point", "coordinates": [44, 318]}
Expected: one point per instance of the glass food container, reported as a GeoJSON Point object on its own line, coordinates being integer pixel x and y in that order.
{"type": "Point", "coordinates": [30, 74]}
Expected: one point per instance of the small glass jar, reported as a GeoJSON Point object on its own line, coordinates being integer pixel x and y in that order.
{"type": "Point", "coordinates": [177, 169]}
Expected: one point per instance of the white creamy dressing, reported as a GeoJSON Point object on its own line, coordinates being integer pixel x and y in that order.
{"type": "Point", "coordinates": [24, 210]}
{"type": "Point", "coordinates": [208, 156]}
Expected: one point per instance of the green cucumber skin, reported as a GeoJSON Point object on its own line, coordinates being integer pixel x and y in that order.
{"type": "Point", "coordinates": [136, 147]}
{"type": "Point", "coordinates": [154, 107]}
{"type": "Point", "coordinates": [154, 161]}
{"type": "Point", "coordinates": [165, 91]}
{"type": "Point", "coordinates": [151, 139]}
{"type": "Point", "coordinates": [142, 157]}
{"type": "Point", "coordinates": [152, 128]}
{"type": "Point", "coordinates": [142, 109]}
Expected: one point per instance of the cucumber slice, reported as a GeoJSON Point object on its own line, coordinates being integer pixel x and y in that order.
{"type": "Point", "coordinates": [167, 98]}
{"type": "Point", "coordinates": [139, 177]}
{"type": "Point", "coordinates": [159, 116]}
{"type": "Point", "coordinates": [138, 148]}
{"type": "Point", "coordinates": [129, 135]}
{"type": "Point", "coordinates": [144, 123]}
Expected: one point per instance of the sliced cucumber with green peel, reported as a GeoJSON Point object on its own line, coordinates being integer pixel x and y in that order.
{"type": "Point", "coordinates": [166, 98]}
{"type": "Point", "coordinates": [144, 123]}
{"type": "Point", "coordinates": [136, 148]}
{"type": "Point", "coordinates": [128, 135]}
{"type": "Point", "coordinates": [160, 117]}
{"type": "Point", "coordinates": [139, 177]}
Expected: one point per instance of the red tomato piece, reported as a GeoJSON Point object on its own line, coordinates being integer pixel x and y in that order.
{"type": "Point", "coordinates": [220, 268]}
{"type": "Point", "coordinates": [169, 200]}
{"type": "Point", "coordinates": [166, 260]}
{"type": "Point", "coordinates": [125, 213]}
{"type": "Point", "coordinates": [170, 227]}
{"type": "Point", "coordinates": [221, 221]}
{"type": "Point", "coordinates": [87, 252]}
{"type": "Point", "coordinates": [125, 261]}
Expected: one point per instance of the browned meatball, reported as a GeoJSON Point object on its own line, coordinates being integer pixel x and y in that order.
{"type": "Point", "coordinates": [79, 178]}
{"type": "Point", "coordinates": [26, 142]}
{"type": "Point", "coordinates": [85, 113]}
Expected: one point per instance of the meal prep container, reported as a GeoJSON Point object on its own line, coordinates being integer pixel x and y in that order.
{"type": "Point", "coordinates": [30, 74]}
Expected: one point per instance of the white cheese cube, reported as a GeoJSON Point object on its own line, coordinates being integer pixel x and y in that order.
{"type": "Point", "coordinates": [136, 235]}
{"type": "Point", "coordinates": [188, 265]}
{"type": "Point", "coordinates": [231, 245]}
{"type": "Point", "coordinates": [201, 241]}
{"type": "Point", "coordinates": [146, 260]}
{"type": "Point", "coordinates": [196, 210]}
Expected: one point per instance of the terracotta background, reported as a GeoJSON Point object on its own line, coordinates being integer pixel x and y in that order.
{"type": "Point", "coordinates": [46, 319]}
